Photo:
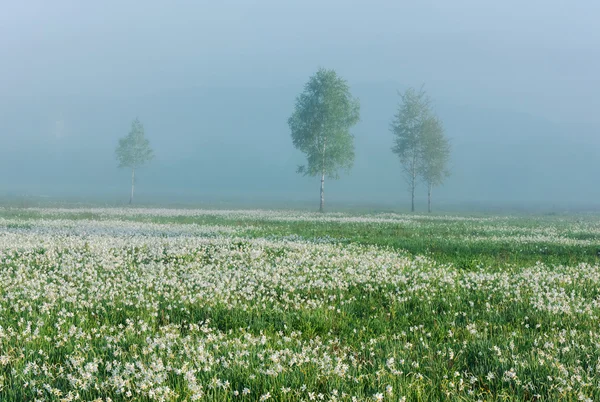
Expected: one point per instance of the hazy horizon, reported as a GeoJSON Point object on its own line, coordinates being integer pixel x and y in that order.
{"type": "Point", "coordinates": [214, 84]}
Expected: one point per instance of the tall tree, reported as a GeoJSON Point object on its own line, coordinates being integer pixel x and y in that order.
{"type": "Point", "coordinates": [435, 155]}
{"type": "Point", "coordinates": [323, 116]}
{"type": "Point", "coordinates": [406, 126]}
{"type": "Point", "coordinates": [134, 151]}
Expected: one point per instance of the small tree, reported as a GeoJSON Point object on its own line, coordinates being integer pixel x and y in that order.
{"type": "Point", "coordinates": [406, 127]}
{"type": "Point", "coordinates": [435, 154]}
{"type": "Point", "coordinates": [320, 126]}
{"type": "Point", "coordinates": [134, 151]}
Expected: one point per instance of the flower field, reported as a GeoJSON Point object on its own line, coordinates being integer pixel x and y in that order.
{"type": "Point", "coordinates": [178, 305]}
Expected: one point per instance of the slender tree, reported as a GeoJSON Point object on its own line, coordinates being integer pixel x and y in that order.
{"type": "Point", "coordinates": [406, 126]}
{"type": "Point", "coordinates": [323, 116]}
{"type": "Point", "coordinates": [134, 151]}
{"type": "Point", "coordinates": [435, 154]}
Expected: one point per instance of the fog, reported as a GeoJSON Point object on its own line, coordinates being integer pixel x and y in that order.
{"type": "Point", "coordinates": [214, 83]}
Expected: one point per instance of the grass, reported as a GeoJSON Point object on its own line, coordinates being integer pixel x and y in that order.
{"type": "Point", "coordinates": [416, 307]}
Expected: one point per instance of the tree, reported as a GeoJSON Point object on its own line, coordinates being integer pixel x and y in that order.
{"type": "Point", "coordinates": [406, 126]}
{"type": "Point", "coordinates": [134, 151]}
{"type": "Point", "coordinates": [435, 154]}
{"type": "Point", "coordinates": [323, 116]}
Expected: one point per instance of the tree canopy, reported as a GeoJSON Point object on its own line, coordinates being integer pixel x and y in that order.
{"type": "Point", "coordinates": [435, 152]}
{"type": "Point", "coordinates": [321, 123]}
{"type": "Point", "coordinates": [406, 127]}
{"type": "Point", "coordinates": [134, 149]}
{"type": "Point", "coordinates": [419, 142]}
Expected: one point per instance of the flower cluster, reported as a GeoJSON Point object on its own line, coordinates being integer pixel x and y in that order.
{"type": "Point", "coordinates": [124, 309]}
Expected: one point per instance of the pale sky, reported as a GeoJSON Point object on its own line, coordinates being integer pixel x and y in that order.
{"type": "Point", "coordinates": [539, 55]}
{"type": "Point", "coordinates": [504, 72]}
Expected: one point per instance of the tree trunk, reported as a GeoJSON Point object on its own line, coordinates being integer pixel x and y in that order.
{"type": "Point", "coordinates": [412, 198]}
{"type": "Point", "coordinates": [429, 198]}
{"type": "Point", "coordinates": [413, 184]}
{"type": "Point", "coordinates": [132, 186]}
{"type": "Point", "coordinates": [322, 207]}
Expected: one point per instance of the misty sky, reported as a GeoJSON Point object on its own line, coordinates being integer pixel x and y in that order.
{"type": "Point", "coordinates": [532, 63]}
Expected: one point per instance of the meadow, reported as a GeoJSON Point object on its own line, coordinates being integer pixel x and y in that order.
{"type": "Point", "coordinates": [183, 305]}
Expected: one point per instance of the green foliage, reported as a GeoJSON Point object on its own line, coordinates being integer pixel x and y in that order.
{"type": "Point", "coordinates": [407, 128]}
{"type": "Point", "coordinates": [419, 142]}
{"type": "Point", "coordinates": [435, 152]}
{"type": "Point", "coordinates": [321, 122]}
{"type": "Point", "coordinates": [478, 319]}
{"type": "Point", "coordinates": [134, 150]}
